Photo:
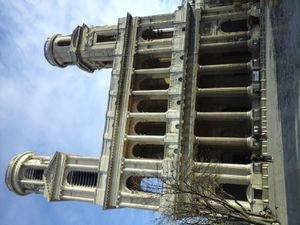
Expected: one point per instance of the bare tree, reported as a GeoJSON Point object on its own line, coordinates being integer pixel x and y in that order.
{"type": "Point", "coordinates": [200, 199]}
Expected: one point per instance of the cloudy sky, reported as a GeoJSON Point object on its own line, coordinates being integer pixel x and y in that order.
{"type": "Point", "coordinates": [47, 109]}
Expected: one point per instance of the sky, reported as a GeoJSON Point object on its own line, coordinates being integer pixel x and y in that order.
{"type": "Point", "coordinates": [46, 109]}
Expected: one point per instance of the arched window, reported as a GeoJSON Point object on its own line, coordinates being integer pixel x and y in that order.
{"type": "Point", "coordinates": [152, 185]}
{"type": "Point", "coordinates": [148, 151]}
{"type": "Point", "coordinates": [82, 178]}
{"type": "Point", "coordinates": [150, 105]}
{"type": "Point", "coordinates": [150, 128]}
{"type": "Point", "coordinates": [144, 184]}
{"type": "Point", "coordinates": [222, 155]}
{"type": "Point", "coordinates": [133, 183]}
{"type": "Point", "coordinates": [154, 62]}
{"type": "Point", "coordinates": [153, 84]}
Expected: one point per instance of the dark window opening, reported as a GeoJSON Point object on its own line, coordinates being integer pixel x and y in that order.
{"type": "Point", "coordinates": [222, 129]}
{"type": "Point", "coordinates": [151, 63]}
{"type": "Point", "coordinates": [82, 178]}
{"type": "Point", "coordinates": [153, 84]}
{"type": "Point", "coordinates": [63, 43]}
{"type": "Point", "coordinates": [216, 3]}
{"type": "Point", "coordinates": [105, 38]}
{"type": "Point", "coordinates": [240, 159]}
{"type": "Point", "coordinates": [224, 58]}
{"type": "Point", "coordinates": [134, 183]}
{"type": "Point", "coordinates": [257, 194]}
{"type": "Point", "coordinates": [228, 80]}
{"type": "Point", "coordinates": [234, 26]}
{"type": "Point", "coordinates": [238, 192]}
{"type": "Point", "coordinates": [148, 151]}
{"type": "Point", "coordinates": [203, 154]}
{"type": "Point", "coordinates": [222, 154]}
{"type": "Point", "coordinates": [253, 21]}
{"type": "Point", "coordinates": [149, 105]}
{"type": "Point", "coordinates": [232, 104]}
{"type": "Point", "coordinates": [150, 128]}
{"type": "Point", "coordinates": [152, 34]}
{"type": "Point", "coordinates": [34, 174]}
{"type": "Point", "coordinates": [236, 109]}
{"type": "Point", "coordinates": [206, 28]}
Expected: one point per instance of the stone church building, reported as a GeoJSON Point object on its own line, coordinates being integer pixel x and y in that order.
{"type": "Point", "coordinates": [188, 90]}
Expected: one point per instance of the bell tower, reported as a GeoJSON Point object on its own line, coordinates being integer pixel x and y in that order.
{"type": "Point", "coordinates": [60, 177]}
{"type": "Point", "coordinates": [89, 48]}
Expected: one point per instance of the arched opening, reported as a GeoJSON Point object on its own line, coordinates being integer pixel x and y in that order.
{"type": "Point", "coordinates": [151, 105]}
{"type": "Point", "coordinates": [223, 154]}
{"type": "Point", "coordinates": [150, 128]}
{"type": "Point", "coordinates": [153, 84]}
{"type": "Point", "coordinates": [151, 185]}
{"type": "Point", "coordinates": [153, 62]}
{"type": "Point", "coordinates": [152, 34]}
{"type": "Point", "coordinates": [223, 129]}
{"type": "Point", "coordinates": [228, 80]}
{"type": "Point", "coordinates": [241, 128]}
{"type": "Point", "coordinates": [244, 158]}
{"type": "Point", "coordinates": [234, 26]}
{"type": "Point", "coordinates": [82, 178]}
{"type": "Point", "coordinates": [34, 174]}
{"type": "Point", "coordinates": [225, 58]}
{"type": "Point", "coordinates": [134, 183]}
{"type": "Point", "coordinates": [144, 184]}
{"type": "Point", "coordinates": [218, 104]}
{"type": "Point", "coordinates": [148, 151]}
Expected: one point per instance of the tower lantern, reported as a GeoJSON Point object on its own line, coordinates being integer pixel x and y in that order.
{"type": "Point", "coordinates": [89, 48]}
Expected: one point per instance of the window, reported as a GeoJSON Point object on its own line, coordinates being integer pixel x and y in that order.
{"type": "Point", "coordinates": [144, 184]}
{"type": "Point", "coordinates": [149, 105]}
{"type": "Point", "coordinates": [34, 174]}
{"type": "Point", "coordinates": [154, 84]}
{"type": "Point", "coordinates": [154, 62]}
{"type": "Point", "coordinates": [234, 26]}
{"type": "Point", "coordinates": [82, 178]}
{"type": "Point", "coordinates": [148, 151]}
{"type": "Point", "coordinates": [150, 128]}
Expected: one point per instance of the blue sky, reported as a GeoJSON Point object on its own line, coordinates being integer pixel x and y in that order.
{"type": "Point", "coordinates": [47, 109]}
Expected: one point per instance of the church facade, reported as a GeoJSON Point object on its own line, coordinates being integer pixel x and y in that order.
{"type": "Point", "coordinates": [188, 90]}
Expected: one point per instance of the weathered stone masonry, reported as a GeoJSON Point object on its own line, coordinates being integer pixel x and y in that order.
{"type": "Point", "coordinates": [187, 91]}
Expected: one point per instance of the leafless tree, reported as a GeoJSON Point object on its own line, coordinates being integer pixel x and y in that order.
{"type": "Point", "coordinates": [200, 199]}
